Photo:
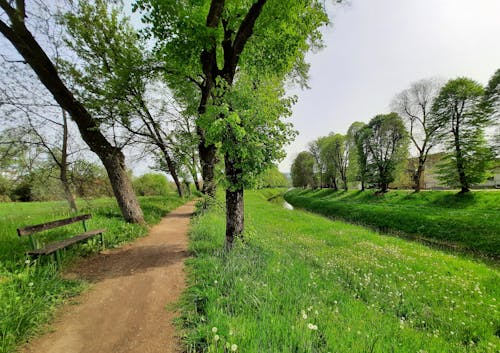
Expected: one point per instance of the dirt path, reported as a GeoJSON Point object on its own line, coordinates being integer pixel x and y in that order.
{"type": "Point", "coordinates": [125, 310]}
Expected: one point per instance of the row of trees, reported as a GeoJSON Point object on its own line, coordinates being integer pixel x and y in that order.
{"type": "Point", "coordinates": [427, 116]}
{"type": "Point", "coordinates": [219, 68]}
{"type": "Point", "coordinates": [30, 174]}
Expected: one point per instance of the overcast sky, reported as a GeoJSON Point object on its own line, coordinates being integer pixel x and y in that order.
{"type": "Point", "coordinates": [375, 49]}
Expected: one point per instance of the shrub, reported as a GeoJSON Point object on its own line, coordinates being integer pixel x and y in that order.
{"type": "Point", "coordinates": [152, 185]}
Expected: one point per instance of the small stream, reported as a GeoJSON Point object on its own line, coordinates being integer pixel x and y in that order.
{"type": "Point", "coordinates": [287, 206]}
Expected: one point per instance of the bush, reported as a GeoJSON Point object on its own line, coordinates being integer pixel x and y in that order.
{"type": "Point", "coordinates": [152, 185]}
{"type": "Point", "coordinates": [5, 189]}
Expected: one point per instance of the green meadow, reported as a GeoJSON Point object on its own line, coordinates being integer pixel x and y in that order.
{"type": "Point", "coordinates": [30, 290]}
{"type": "Point", "coordinates": [466, 222]}
{"type": "Point", "coordinates": [301, 282]}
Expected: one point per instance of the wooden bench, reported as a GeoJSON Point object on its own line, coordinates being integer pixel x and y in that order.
{"type": "Point", "coordinates": [54, 248]}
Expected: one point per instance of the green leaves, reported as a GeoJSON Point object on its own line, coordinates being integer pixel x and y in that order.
{"type": "Point", "coordinates": [462, 117]}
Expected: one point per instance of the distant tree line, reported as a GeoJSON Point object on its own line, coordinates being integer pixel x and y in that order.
{"type": "Point", "coordinates": [428, 116]}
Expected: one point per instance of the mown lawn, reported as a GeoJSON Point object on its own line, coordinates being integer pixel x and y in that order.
{"type": "Point", "coordinates": [29, 291]}
{"type": "Point", "coordinates": [468, 222]}
{"type": "Point", "coordinates": [304, 283]}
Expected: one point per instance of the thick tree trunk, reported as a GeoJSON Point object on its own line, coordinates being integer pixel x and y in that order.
{"type": "Point", "coordinates": [122, 187]}
{"type": "Point", "coordinates": [111, 157]}
{"type": "Point", "coordinates": [417, 177]}
{"type": "Point", "coordinates": [235, 218]}
{"type": "Point", "coordinates": [208, 159]}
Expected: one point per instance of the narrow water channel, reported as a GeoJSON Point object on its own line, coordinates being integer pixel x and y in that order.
{"type": "Point", "coordinates": [287, 205]}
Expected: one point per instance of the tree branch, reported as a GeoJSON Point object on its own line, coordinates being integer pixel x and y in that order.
{"type": "Point", "coordinates": [246, 30]}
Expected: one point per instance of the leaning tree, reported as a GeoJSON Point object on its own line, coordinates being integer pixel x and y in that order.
{"type": "Point", "coordinates": [13, 25]}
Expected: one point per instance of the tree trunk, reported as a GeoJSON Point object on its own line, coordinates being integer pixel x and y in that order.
{"type": "Point", "coordinates": [208, 159]}
{"type": "Point", "coordinates": [63, 166]}
{"type": "Point", "coordinates": [172, 170]}
{"type": "Point", "coordinates": [122, 187]}
{"type": "Point", "coordinates": [111, 157]}
{"type": "Point", "coordinates": [188, 187]}
{"type": "Point", "coordinates": [460, 165]}
{"type": "Point", "coordinates": [235, 217]}
{"type": "Point", "coordinates": [197, 184]}
{"type": "Point", "coordinates": [67, 192]}
{"type": "Point", "coordinates": [417, 177]}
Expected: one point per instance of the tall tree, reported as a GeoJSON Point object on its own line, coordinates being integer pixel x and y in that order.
{"type": "Point", "coordinates": [492, 101]}
{"type": "Point", "coordinates": [462, 116]}
{"type": "Point", "coordinates": [357, 134]}
{"type": "Point", "coordinates": [331, 156]}
{"type": "Point", "coordinates": [387, 143]}
{"type": "Point", "coordinates": [225, 47]}
{"type": "Point", "coordinates": [15, 30]}
{"type": "Point", "coordinates": [415, 106]}
{"type": "Point", "coordinates": [341, 157]}
{"type": "Point", "coordinates": [303, 170]}
{"type": "Point", "coordinates": [38, 120]}
{"type": "Point", "coordinates": [314, 148]}
{"type": "Point", "coordinates": [117, 77]}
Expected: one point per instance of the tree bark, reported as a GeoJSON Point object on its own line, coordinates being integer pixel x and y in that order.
{"type": "Point", "coordinates": [344, 181]}
{"type": "Point", "coordinates": [417, 177]}
{"type": "Point", "coordinates": [67, 191]}
{"type": "Point", "coordinates": [235, 217]}
{"type": "Point", "coordinates": [111, 156]}
{"type": "Point", "coordinates": [461, 171]}
{"type": "Point", "coordinates": [208, 159]}
{"type": "Point", "coordinates": [172, 170]}
{"type": "Point", "coordinates": [63, 166]}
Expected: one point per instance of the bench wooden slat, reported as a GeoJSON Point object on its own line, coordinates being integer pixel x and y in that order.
{"type": "Point", "coordinates": [28, 230]}
{"type": "Point", "coordinates": [53, 247]}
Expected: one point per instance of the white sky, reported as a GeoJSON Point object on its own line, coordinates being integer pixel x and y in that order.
{"type": "Point", "coordinates": [375, 49]}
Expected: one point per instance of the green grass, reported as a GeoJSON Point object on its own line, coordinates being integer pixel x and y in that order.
{"type": "Point", "coordinates": [468, 222]}
{"type": "Point", "coordinates": [363, 291]}
{"type": "Point", "coordinates": [30, 292]}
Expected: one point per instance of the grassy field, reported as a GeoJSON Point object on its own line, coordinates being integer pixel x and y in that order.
{"type": "Point", "coordinates": [304, 283]}
{"type": "Point", "coordinates": [469, 222]}
{"type": "Point", "coordinates": [29, 292]}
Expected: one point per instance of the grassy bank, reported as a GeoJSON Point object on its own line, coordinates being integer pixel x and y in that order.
{"type": "Point", "coordinates": [29, 292]}
{"type": "Point", "coordinates": [469, 222]}
{"type": "Point", "coordinates": [303, 283]}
